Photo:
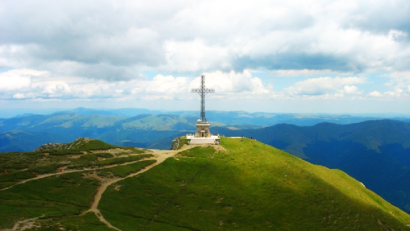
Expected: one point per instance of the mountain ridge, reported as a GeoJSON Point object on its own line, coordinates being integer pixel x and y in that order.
{"type": "Point", "coordinates": [261, 188]}
{"type": "Point", "coordinates": [375, 152]}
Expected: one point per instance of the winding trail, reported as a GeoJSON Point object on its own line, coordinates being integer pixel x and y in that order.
{"type": "Point", "coordinates": [71, 171]}
{"type": "Point", "coordinates": [158, 155]}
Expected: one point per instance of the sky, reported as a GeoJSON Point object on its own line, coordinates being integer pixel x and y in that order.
{"type": "Point", "coordinates": [312, 56]}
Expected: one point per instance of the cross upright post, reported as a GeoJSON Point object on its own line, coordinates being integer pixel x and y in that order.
{"type": "Point", "coordinates": [202, 92]}
{"type": "Point", "coordinates": [203, 135]}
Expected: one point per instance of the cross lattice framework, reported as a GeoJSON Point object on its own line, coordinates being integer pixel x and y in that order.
{"type": "Point", "coordinates": [202, 92]}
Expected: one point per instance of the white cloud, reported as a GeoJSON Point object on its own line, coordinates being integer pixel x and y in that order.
{"type": "Point", "coordinates": [302, 72]}
{"type": "Point", "coordinates": [86, 53]}
{"type": "Point", "coordinates": [56, 88]}
{"type": "Point", "coordinates": [230, 85]}
{"type": "Point", "coordinates": [375, 94]}
{"type": "Point", "coordinates": [18, 96]}
{"type": "Point", "coordinates": [391, 95]}
{"type": "Point", "coordinates": [41, 85]}
{"type": "Point", "coordinates": [235, 84]}
{"type": "Point", "coordinates": [191, 56]}
{"type": "Point", "coordinates": [193, 36]}
{"type": "Point", "coordinates": [164, 85]}
{"type": "Point", "coordinates": [399, 79]}
{"type": "Point", "coordinates": [351, 90]}
{"type": "Point", "coordinates": [397, 93]}
{"type": "Point", "coordinates": [18, 79]}
{"type": "Point", "coordinates": [325, 85]}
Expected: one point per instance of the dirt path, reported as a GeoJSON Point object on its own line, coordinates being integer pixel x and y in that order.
{"type": "Point", "coordinates": [159, 155]}
{"type": "Point", "coordinates": [71, 171]}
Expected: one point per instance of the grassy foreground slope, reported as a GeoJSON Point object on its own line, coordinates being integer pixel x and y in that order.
{"type": "Point", "coordinates": [248, 186]}
{"type": "Point", "coordinates": [54, 187]}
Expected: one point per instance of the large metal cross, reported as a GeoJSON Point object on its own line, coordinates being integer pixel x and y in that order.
{"type": "Point", "coordinates": [202, 91]}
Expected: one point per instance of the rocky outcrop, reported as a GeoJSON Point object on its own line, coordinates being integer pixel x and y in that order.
{"type": "Point", "coordinates": [175, 144]}
{"type": "Point", "coordinates": [76, 144]}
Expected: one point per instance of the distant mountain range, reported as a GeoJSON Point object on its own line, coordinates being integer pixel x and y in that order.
{"type": "Point", "coordinates": [237, 117]}
{"type": "Point", "coordinates": [140, 127]}
{"type": "Point", "coordinates": [27, 133]}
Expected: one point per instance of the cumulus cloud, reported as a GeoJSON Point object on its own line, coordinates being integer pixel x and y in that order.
{"type": "Point", "coordinates": [32, 84]}
{"type": "Point", "coordinates": [394, 94]}
{"type": "Point", "coordinates": [399, 79]}
{"type": "Point", "coordinates": [161, 87]}
{"type": "Point", "coordinates": [194, 55]}
{"type": "Point", "coordinates": [351, 90]}
{"type": "Point", "coordinates": [234, 84]}
{"type": "Point", "coordinates": [19, 96]}
{"type": "Point", "coordinates": [375, 94]}
{"type": "Point", "coordinates": [325, 85]}
{"type": "Point", "coordinates": [227, 85]}
{"type": "Point", "coordinates": [18, 79]}
{"type": "Point", "coordinates": [85, 50]}
{"type": "Point", "coordinates": [114, 40]}
{"type": "Point", "coordinates": [302, 72]}
{"type": "Point", "coordinates": [380, 16]}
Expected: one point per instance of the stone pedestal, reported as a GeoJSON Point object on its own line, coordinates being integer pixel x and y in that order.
{"type": "Point", "coordinates": [202, 129]}
{"type": "Point", "coordinates": [202, 135]}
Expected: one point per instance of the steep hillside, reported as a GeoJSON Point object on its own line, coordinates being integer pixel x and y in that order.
{"type": "Point", "coordinates": [375, 152]}
{"type": "Point", "coordinates": [242, 185]}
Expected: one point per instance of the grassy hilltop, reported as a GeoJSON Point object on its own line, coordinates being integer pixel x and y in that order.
{"type": "Point", "coordinates": [241, 185]}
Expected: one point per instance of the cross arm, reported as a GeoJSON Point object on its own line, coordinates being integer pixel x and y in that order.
{"type": "Point", "coordinates": [209, 90]}
{"type": "Point", "coordinates": [206, 90]}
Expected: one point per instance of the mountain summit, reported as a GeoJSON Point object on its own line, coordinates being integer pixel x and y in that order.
{"type": "Point", "coordinates": [241, 184]}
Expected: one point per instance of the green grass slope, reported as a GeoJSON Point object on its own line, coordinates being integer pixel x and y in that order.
{"type": "Point", "coordinates": [245, 185]}
{"type": "Point", "coordinates": [250, 186]}
{"type": "Point", "coordinates": [54, 187]}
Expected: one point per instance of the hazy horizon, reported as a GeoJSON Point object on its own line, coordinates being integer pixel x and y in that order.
{"type": "Point", "coordinates": [6, 114]}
